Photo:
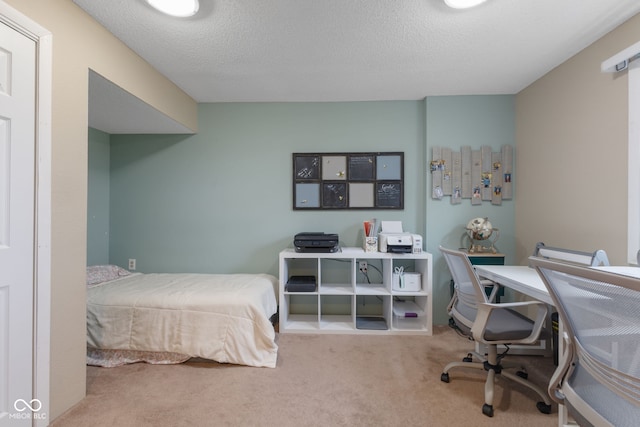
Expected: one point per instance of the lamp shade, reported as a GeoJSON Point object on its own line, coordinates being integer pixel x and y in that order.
{"type": "Point", "coordinates": [178, 8]}
{"type": "Point", "coordinates": [463, 4]}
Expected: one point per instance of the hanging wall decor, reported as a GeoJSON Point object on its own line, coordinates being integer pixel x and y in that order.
{"type": "Point", "coordinates": [479, 175]}
{"type": "Point", "coordinates": [348, 180]}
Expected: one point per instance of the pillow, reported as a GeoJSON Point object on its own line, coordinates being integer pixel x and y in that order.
{"type": "Point", "coordinates": [103, 273]}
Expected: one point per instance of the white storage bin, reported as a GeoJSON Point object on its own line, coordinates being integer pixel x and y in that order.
{"type": "Point", "coordinates": [407, 282]}
{"type": "Point", "coordinates": [407, 315]}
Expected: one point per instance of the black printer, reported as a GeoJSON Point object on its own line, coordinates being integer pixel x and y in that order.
{"type": "Point", "coordinates": [316, 242]}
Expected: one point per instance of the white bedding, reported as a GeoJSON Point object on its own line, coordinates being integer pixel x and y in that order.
{"type": "Point", "coordinates": [222, 317]}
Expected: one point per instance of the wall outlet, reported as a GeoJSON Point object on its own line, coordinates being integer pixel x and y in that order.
{"type": "Point", "coordinates": [132, 264]}
{"type": "Point", "coordinates": [362, 266]}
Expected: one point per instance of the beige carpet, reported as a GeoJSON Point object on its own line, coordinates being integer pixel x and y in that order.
{"type": "Point", "coordinates": [320, 380]}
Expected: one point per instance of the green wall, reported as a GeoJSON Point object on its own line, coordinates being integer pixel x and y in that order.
{"type": "Point", "coordinates": [456, 121]}
{"type": "Point", "coordinates": [221, 201]}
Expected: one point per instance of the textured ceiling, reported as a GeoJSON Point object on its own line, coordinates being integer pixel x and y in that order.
{"type": "Point", "coordinates": [358, 50]}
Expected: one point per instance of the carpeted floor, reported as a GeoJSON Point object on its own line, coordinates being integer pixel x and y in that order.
{"type": "Point", "coordinates": [320, 380]}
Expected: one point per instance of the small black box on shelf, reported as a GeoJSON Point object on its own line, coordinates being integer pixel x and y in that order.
{"type": "Point", "coordinates": [301, 284]}
{"type": "Point", "coordinates": [316, 242]}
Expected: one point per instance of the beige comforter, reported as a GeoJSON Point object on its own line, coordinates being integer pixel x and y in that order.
{"type": "Point", "coordinates": [214, 316]}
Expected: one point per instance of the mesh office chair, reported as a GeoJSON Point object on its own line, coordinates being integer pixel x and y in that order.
{"type": "Point", "coordinates": [598, 378]}
{"type": "Point", "coordinates": [490, 324]}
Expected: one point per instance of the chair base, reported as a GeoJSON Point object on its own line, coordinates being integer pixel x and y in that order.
{"type": "Point", "coordinates": [494, 367]}
{"type": "Point", "coordinates": [487, 410]}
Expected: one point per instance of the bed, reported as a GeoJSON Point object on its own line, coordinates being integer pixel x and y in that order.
{"type": "Point", "coordinates": [170, 318]}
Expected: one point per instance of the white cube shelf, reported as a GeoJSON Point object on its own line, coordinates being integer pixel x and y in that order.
{"type": "Point", "coordinates": [347, 301]}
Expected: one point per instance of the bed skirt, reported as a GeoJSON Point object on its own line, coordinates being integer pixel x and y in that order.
{"type": "Point", "coordinates": [113, 358]}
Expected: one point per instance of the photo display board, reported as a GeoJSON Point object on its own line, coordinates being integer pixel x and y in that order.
{"type": "Point", "coordinates": [479, 175]}
{"type": "Point", "coordinates": [348, 180]}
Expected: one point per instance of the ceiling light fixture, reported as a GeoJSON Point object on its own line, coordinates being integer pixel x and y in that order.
{"type": "Point", "coordinates": [463, 4]}
{"type": "Point", "coordinates": [178, 8]}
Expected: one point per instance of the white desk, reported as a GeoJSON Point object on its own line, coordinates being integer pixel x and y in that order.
{"type": "Point", "coordinates": [526, 280]}
{"type": "Point", "coordinates": [517, 277]}
{"type": "Point", "coordinates": [621, 269]}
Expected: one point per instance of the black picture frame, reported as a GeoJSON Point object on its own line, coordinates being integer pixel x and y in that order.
{"type": "Point", "coordinates": [367, 181]}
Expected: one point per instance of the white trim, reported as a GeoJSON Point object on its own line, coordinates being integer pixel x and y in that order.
{"type": "Point", "coordinates": [42, 294]}
{"type": "Point", "coordinates": [627, 59]}
{"type": "Point", "coordinates": [43, 215]}
{"type": "Point", "coordinates": [633, 171]}
{"type": "Point", "coordinates": [620, 60]}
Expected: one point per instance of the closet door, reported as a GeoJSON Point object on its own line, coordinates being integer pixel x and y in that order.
{"type": "Point", "coordinates": [17, 225]}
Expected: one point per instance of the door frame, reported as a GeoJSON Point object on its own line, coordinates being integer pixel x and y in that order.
{"type": "Point", "coordinates": [42, 244]}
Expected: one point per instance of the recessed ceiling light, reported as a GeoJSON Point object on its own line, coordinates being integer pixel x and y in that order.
{"type": "Point", "coordinates": [463, 4]}
{"type": "Point", "coordinates": [179, 8]}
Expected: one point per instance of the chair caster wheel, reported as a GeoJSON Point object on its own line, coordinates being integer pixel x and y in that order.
{"type": "Point", "coordinates": [522, 374]}
{"type": "Point", "coordinates": [487, 410]}
{"type": "Point", "coordinates": [468, 359]}
{"type": "Point", "coordinates": [543, 407]}
{"type": "Point", "coordinates": [444, 377]}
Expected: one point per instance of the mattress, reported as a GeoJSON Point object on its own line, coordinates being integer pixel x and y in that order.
{"type": "Point", "coordinates": [221, 317]}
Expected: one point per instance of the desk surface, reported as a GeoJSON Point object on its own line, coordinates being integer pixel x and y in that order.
{"type": "Point", "coordinates": [520, 278]}
{"type": "Point", "coordinates": [526, 280]}
{"type": "Point", "coordinates": [624, 270]}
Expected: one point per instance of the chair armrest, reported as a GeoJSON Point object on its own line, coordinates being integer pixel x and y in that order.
{"type": "Point", "coordinates": [564, 369]}
{"type": "Point", "coordinates": [484, 313]}
{"type": "Point", "coordinates": [495, 287]}
{"type": "Point", "coordinates": [517, 304]}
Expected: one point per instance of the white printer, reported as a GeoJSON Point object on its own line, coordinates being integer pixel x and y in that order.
{"type": "Point", "coordinates": [393, 239]}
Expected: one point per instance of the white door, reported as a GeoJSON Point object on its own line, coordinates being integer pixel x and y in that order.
{"type": "Point", "coordinates": [17, 220]}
